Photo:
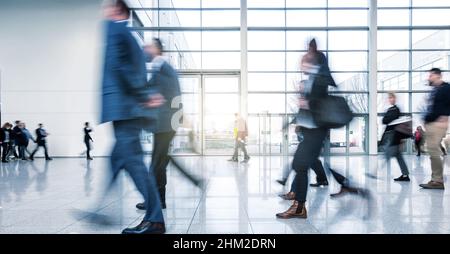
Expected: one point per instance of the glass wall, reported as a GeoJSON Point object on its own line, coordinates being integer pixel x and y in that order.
{"type": "Point", "coordinates": [413, 37]}
{"type": "Point", "coordinates": [205, 36]}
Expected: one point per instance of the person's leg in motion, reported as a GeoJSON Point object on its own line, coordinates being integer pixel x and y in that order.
{"type": "Point", "coordinates": [235, 153]}
{"type": "Point", "coordinates": [321, 177]}
{"type": "Point", "coordinates": [403, 167]}
{"type": "Point", "coordinates": [128, 146]}
{"type": "Point", "coordinates": [46, 152]}
{"type": "Point", "coordinates": [434, 136]}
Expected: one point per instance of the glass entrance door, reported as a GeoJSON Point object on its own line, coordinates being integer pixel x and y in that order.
{"type": "Point", "coordinates": [266, 136]}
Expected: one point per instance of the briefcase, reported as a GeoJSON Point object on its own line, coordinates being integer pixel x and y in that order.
{"type": "Point", "coordinates": [331, 112]}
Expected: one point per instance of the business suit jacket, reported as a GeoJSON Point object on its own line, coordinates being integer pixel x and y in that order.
{"type": "Point", "coordinates": [164, 79]}
{"type": "Point", "coordinates": [87, 136]}
{"type": "Point", "coordinates": [124, 86]}
{"type": "Point", "coordinates": [41, 134]}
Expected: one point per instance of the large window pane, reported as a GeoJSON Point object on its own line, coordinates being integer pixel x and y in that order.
{"type": "Point", "coordinates": [189, 84]}
{"type": "Point", "coordinates": [220, 18]}
{"type": "Point", "coordinates": [265, 3]}
{"type": "Point", "coordinates": [392, 61]}
{"type": "Point", "coordinates": [181, 40]}
{"type": "Point", "coordinates": [393, 3]}
{"type": "Point", "coordinates": [430, 17]}
{"type": "Point", "coordinates": [393, 17]}
{"type": "Point", "coordinates": [265, 18]}
{"type": "Point", "coordinates": [393, 81]}
{"type": "Point", "coordinates": [393, 39]}
{"type": "Point", "coordinates": [347, 40]}
{"type": "Point", "coordinates": [179, 18]}
{"type": "Point", "coordinates": [419, 102]}
{"type": "Point", "coordinates": [298, 40]}
{"type": "Point", "coordinates": [221, 84]}
{"type": "Point", "coordinates": [266, 40]}
{"type": "Point", "coordinates": [220, 3]}
{"type": "Point", "coordinates": [185, 60]}
{"type": "Point", "coordinates": [221, 60]}
{"type": "Point", "coordinates": [305, 3]}
{"type": "Point", "coordinates": [350, 81]}
{"type": "Point", "coordinates": [221, 103]}
{"type": "Point", "coordinates": [259, 103]}
{"type": "Point", "coordinates": [176, 3]}
{"type": "Point", "coordinates": [306, 18]}
{"type": "Point", "coordinates": [428, 59]}
{"type": "Point", "coordinates": [430, 39]}
{"type": "Point", "coordinates": [402, 102]}
{"type": "Point", "coordinates": [266, 61]}
{"type": "Point", "coordinates": [431, 3]}
{"type": "Point", "coordinates": [348, 3]}
{"type": "Point", "coordinates": [222, 40]}
{"type": "Point", "coordinates": [348, 61]}
{"type": "Point", "coordinates": [266, 82]}
{"type": "Point", "coordinates": [347, 18]}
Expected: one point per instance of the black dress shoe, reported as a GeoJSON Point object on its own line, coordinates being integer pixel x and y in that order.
{"type": "Point", "coordinates": [48, 159]}
{"type": "Point", "coordinates": [402, 178]}
{"type": "Point", "coordinates": [141, 206]}
{"type": "Point", "coordinates": [318, 184]}
{"type": "Point", "coordinates": [281, 181]}
{"type": "Point", "coordinates": [146, 227]}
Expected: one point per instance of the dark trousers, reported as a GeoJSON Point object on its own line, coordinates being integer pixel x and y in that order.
{"type": "Point", "coordinates": [88, 148]}
{"type": "Point", "coordinates": [394, 151]}
{"type": "Point", "coordinates": [127, 154]}
{"type": "Point", "coordinates": [22, 149]}
{"type": "Point", "coordinates": [418, 147]}
{"type": "Point", "coordinates": [160, 160]}
{"type": "Point", "coordinates": [306, 155]}
{"type": "Point", "coordinates": [239, 145]}
{"type": "Point", "coordinates": [318, 169]}
{"type": "Point", "coordinates": [44, 145]}
{"type": "Point", "coordinates": [5, 148]}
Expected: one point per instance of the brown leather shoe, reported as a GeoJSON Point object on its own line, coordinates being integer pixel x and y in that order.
{"type": "Point", "coordinates": [288, 196]}
{"type": "Point", "coordinates": [293, 213]}
{"type": "Point", "coordinates": [344, 191]}
{"type": "Point", "coordinates": [432, 185]}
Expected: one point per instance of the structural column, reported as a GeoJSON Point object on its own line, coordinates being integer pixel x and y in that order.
{"type": "Point", "coordinates": [244, 65]}
{"type": "Point", "coordinates": [373, 131]}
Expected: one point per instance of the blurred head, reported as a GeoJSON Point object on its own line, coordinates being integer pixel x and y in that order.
{"type": "Point", "coordinates": [21, 125]}
{"type": "Point", "coordinates": [419, 128]}
{"type": "Point", "coordinates": [435, 76]}
{"type": "Point", "coordinates": [155, 48]}
{"type": "Point", "coordinates": [116, 10]}
{"type": "Point", "coordinates": [236, 115]}
{"type": "Point", "coordinates": [6, 125]}
{"type": "Point", "coordinates": [86, 124]}
{"type": "Point", "coordinates": [17, 122]}
{"type": "Point", "coordinates": [40, 125]}
{"type": "Point", "coordinates": [391, 98]}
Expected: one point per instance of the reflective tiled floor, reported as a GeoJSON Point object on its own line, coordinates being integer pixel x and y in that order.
{"type": "Point", "coordinates": [40, 197]}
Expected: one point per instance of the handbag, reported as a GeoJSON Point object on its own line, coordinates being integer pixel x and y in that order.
{"type": "Point", "coordinates": [331, 112]}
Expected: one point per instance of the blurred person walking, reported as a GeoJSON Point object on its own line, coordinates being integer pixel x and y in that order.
{"type": "Point", "coordinates": [419, 139]}
{"type": "Point", "coordinates": [436, 125]}
{"type": "Point", "coordinates": [41, 141]}
{"type": "Point", "coordinates": [240, 135]}
{"type": "Point", "coordinates": [164, 78]}
{"type": "Point", "coordinates": [87, 140]}
{"type": "Point", "coordinates": [391, 138]}
{"type": "Point", "coordinates": [5, 139]}
{"type": "Point", "coordinates": [127, 102]}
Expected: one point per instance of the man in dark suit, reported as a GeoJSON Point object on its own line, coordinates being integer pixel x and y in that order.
{"type": "Point", "coordinates": [164, 78]}
{"type": "Point", "coordinates": [41, 140]}
{"type": "Point", "coordinates": [87, 140]}
{"type": "Point", "coordinates": [127, 103]}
